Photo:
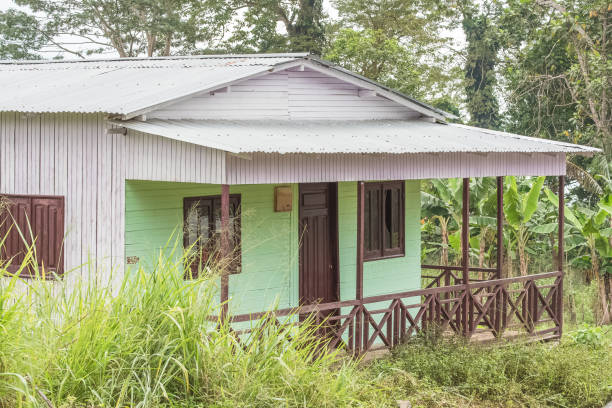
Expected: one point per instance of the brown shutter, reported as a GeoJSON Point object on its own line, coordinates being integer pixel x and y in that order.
{"type": "Point", "coordinates": [48, 230]}
{"type": "Point", "coordinates": [29, 220]}
{"type": "Point", "coordinates": [14, 228]}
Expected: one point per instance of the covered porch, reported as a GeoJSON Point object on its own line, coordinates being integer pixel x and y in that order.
{"type": "Point", "coordinates": [463, 300]}
{"type": "Point", "coordinates": [354, 160]}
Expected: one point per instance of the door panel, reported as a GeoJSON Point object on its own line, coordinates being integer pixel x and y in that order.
{"type": "Point", "coordinates": [318, 249]}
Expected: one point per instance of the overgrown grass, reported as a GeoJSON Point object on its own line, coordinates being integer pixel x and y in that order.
{"type": "Point", "coordinates": [453, 373]}
{"type": "Point", "coordinates": [148, 341]}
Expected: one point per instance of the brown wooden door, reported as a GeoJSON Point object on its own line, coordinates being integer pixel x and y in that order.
{"type": "Point", "coordinates": [319, 243]}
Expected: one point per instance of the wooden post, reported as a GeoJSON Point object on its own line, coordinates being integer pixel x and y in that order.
{"type": "Point", "coordinates": [465, 255]}
{"type": "Point", "coordinates": [225, 248]}
{"type": "Point", "coordinates": [499, 309]}
{"type": "Point", "coordinates": [500, 225]}
{"type": "Point", "coordinates": [560, 253]}
{"type": "Point", "coordinates": [360, 239]}
{"type": "Point", "coordinates": [359, 269]}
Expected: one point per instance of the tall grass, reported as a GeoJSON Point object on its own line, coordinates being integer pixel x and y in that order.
{"type": "Point", "coordinates": [435, 372]}
{"type": "Point", "coordinates": [151, 342]}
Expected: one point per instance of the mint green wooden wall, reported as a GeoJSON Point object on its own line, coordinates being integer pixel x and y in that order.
{"type": "Point", "coordinates": [154, 212]}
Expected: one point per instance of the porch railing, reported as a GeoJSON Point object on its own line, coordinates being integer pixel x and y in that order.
{"type": "Point", "coordinates": [527, 305]}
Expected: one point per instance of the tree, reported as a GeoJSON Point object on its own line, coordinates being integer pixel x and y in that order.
{"type": "Point", "coordinates": [378, 57]}
{"type": "Point", "coordinates": [562, 74]}
{"type": "Point", "coordinates": [130, 27]}
{"type": "Point", "coordinates": [483, 44]}
{"type": "Point", "coordinates": [20, 36]}
{"type": "Point", "coordinates": [256, 27]}
{"type": "Point", "coordinates": [391, 41]}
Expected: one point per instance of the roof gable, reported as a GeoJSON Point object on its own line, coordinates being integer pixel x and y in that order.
{"type": "Point", "coordinates": [297, 93]}
{"type": "Point", "coordinates": [131, 87]}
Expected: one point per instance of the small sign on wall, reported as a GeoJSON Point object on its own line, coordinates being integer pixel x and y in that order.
{"type": "Point", "coordinates": [283, 199]}
{"type": "Point", "coordinates": [132, 260]}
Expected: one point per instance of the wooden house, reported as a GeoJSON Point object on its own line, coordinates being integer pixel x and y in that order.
{"type": "Point", "coordinates": [305, 174]}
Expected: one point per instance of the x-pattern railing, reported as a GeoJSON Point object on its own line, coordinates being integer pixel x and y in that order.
{"type": "Point", "coordinates": [523, 305]}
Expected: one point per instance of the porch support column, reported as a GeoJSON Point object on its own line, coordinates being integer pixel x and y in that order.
{"type": "Point", "coordinates": [560, 253]}
{"type": "Point", "coordinates": [225, 249]}
{"type": "Point", "coordinates": [360, 239]}
{"type": "Point", "coordinates": [465, 255]}
{"type": "Point", "coordinates": [360, 336]}
{"type": "Point", "coordinates": [500, 225]}
{"type": "Point", "coordinates": [500, 311]}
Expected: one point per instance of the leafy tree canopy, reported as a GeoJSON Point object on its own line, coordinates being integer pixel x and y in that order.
{"type": "Point", "coordinates": [20, 36]}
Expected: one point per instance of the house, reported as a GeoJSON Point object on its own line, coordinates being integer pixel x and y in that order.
{"type": "Point", "coordinates": [305, 174]}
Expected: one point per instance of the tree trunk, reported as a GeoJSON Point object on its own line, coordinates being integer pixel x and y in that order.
{"type": "Point", "coordinates": [605, 299]}
{"type": "Point", "coordinates": [481, 254]}
{"type": "Point", "coordinates": [509, 260]}
{"type": "Point", "coordinates": [522, 259]}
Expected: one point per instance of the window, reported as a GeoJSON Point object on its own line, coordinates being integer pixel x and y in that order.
{"type": "Point", "coordinates": [202, 232]}
{"type": "Point", "coordinates": [383, 220]}
{"type": "Point", "coordinates": [32, 222]}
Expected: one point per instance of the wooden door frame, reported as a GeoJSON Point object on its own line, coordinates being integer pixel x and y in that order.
{"type": "Point", "coordinates": [334, 236]}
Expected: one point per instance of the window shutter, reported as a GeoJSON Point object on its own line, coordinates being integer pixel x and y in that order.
{"type": "Point", "coordinates": [38, 220]}
{"type": "Point", "coordinates": [14, 228]}
{"type": "Point", "coordinates": [48, 229]}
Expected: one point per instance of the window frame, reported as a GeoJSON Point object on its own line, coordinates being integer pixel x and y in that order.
{"type": "Point", "coordinates": [60, 269]}
{"type": "Point", "coordinates": [382, 252]}
{"type": "Point", "coordinates": [212, 226]}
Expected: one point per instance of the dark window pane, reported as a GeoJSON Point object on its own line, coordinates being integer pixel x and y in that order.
{"type": "Point", "coordinates": [388, 218]}
{"type": "Point", "coordinates": [383, 218]}
{"type": "Point", "coordinates": [395, 221]}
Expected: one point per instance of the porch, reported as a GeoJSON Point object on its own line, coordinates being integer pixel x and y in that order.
{"type": "Point", "coordinates": [473, 302]}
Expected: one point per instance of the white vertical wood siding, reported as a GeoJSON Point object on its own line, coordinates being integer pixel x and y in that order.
{"type": "Point", "coordinates": [72, 155]}
{"type": "Point", "coordinates": [151, 157]}
{"type": "Point", "coordinates": [278, 168]}
{"type": "Point", "coordinates": [289, 94]}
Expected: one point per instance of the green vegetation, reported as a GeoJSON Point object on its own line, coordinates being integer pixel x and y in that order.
{"type": "Point", "coordinates": [149, 341]}
{"type": "Point", "coordinates": [451, 373]}
{"type": "Point", "coordinates": [530, 232]}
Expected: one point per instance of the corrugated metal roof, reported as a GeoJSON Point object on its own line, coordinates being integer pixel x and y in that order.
{"type": "Point", "coordinates": [121, 86]}
{"type": "Point", "coordinates": [131, 86]}
{"type": "Point", "coordinates": [377, 136]}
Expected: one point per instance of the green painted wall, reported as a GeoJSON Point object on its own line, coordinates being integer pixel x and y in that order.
{"type": "Point", "coordinates": [385, 275]}
{"type": "Point", "coordinates": [269, 277]}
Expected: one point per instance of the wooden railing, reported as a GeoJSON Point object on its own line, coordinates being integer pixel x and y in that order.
{"type": "Point", "coordinates": [527, 305]}
{"type": "Point", "coordinates": [452, 275]}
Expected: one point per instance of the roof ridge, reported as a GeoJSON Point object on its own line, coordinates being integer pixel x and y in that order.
{"type": "Point", "coordinates": [167, 58]}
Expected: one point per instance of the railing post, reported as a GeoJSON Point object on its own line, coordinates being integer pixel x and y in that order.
{"type": "Point", "coordinates": [497, 319]}
{"type": "Point", "coordinates": [225, 250]}
{"type": "Point", "coordinates": [560, 253]}
{"type": "Point", "coordinates": [467, 312]}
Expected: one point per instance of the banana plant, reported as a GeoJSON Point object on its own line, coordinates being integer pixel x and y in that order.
{"type": "Point", "coordinates": [443, 205]}
{"type": "Point", "coordinates": [593, 227]}
{"type": "Point", "coordinates": [519, 208]}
